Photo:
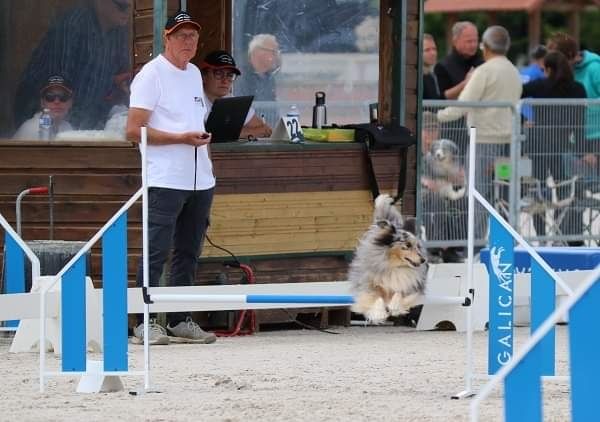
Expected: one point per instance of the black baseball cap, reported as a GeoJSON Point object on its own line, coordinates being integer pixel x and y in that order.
{"type": "Point", "coordinates": [56, 81]}
{"type": "Point", "coordinates": [538, 52]}
{"type": "Point", "coordinates": [219, 59]}
{"type": "Point", "coordinates": [180, 18]}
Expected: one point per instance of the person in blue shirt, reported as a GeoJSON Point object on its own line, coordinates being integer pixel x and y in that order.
{"type": "Point", "coordinates": [533, 72]}
{"type": "Point", "coordinates": [535, 69]}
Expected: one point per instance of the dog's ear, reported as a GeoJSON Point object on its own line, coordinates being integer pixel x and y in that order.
{"type": "Point", "coordinates": [384, 224]}
{"type": "Point", "coordinates": [386, 234]}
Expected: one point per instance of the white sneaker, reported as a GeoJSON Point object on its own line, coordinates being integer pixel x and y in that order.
{"type": "Point", "coordinates": [157, 334]}
{"type": "Point", "coordinates": [189, 332]}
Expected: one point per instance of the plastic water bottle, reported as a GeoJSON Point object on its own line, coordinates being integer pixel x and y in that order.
{"type": "Point", "coordinates": [293, 118]}
{"type": "Point", "coordinates": [45, 125]}
{"type": "Point", "coordinates": [293, 112]}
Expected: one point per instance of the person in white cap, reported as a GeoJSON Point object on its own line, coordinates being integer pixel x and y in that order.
{"type": "Point", "coordinates": [167, 97]}
{"type": "Point", "coordinates": [57, 98]}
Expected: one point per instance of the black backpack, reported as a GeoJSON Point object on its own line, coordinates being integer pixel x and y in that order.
{"type": "Point", "coordinates": [380, 137]}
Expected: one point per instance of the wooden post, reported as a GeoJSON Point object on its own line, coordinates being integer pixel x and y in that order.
{"type": "Point", "coordinates": [386, 60]}
{"type": "Point", "coordinates": [534, 27]}
{"type": "Point", "coordinates": [160, 18]}
{"type": "Point", "coordinates": [575, 21]}
{"type": "Point", "coordinates": [451, 19]}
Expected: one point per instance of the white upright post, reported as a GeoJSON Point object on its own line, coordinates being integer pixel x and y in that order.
{"type": "Point", "coordinates": [145, 257]}
{"type": "Point", "coordinates": [470, 264]}
{"type": "Point", "coordinates": [42, 342]}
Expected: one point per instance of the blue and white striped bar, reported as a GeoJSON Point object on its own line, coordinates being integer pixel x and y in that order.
{"type": "Point", "coordinates": [289, 298]}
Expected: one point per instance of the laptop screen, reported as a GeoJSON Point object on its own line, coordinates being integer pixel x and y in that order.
{"type": "Point", "coordinates": [227, 118]}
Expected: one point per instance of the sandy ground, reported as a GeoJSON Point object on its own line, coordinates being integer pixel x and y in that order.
{"type": "Point", "coordinates": [361, 374]}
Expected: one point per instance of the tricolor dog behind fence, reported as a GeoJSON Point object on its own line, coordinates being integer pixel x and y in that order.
{"type": "Point", "coordinates": [444, 171]}
{"type": "Point", "coordinates": [389, 268]}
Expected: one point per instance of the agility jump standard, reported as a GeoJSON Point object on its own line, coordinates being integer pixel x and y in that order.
{"type": "Point", "coordinates": [543, 278]}
{"type": "Point", "coordinates": [523, 374]}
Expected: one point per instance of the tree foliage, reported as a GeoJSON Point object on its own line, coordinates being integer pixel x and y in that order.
{"type": "Point", "coordinates": [516, 23]}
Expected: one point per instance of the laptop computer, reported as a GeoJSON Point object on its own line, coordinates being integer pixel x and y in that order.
{"type": "Point", "coordinates": [227, 118]}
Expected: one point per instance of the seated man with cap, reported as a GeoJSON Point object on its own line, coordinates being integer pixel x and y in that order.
{"type": "Point", "coordinates": [57, 98]}
{"type": "Point", "coordinates": [218, 73]}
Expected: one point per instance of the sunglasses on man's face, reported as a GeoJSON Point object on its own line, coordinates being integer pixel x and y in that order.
{"type": "Point", "coordinates": [63, 97]}
{"type": "Point", "coordinates": [122, 6]}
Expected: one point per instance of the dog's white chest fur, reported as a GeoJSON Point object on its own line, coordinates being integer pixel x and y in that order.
{"type": "Point", "coordinates": [401, 280]}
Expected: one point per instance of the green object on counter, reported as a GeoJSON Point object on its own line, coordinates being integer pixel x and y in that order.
{"type": "Point", "coordinates": [328, 135]}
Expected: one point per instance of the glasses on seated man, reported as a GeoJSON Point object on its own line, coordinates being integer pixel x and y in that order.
{"type": "Point", "coordinates": [219, 71]}
{"type": "Point", "coordinates": [224, 74]}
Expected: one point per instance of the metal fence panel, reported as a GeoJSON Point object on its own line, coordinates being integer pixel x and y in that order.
{"type": "Point", "coordinates": [559, 200]}
{"type": "Point", "coordinates": [442, 166]}
{"type": "Point", "coordinates": [545, 181]}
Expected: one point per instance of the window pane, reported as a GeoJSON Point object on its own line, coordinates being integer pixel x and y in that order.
{"type": "Point", "coordinates": [291, 49]}
{"type": "Point", "coordinates": [84, 44]}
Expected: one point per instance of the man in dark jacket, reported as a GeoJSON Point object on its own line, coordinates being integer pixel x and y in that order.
{"type": "Point", "coordinates": [431, 87]}
{"type": "Point", "coordinates": [454, 70]}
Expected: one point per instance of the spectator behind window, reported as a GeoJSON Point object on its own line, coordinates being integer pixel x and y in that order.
{"type": "Point", "coordinates": [258, 75]}
{"type": "Point", "coordinates": [57, 97]}
{"type": "Point", "coordinates": [88, 47]}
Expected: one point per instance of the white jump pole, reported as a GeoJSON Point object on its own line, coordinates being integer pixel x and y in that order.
{"type": "Point", "coordinates": [467, 392]}
{"type": "Point", "coordinates": [145, 256]}
{"type": "Point", "coordinates": [333, 300]}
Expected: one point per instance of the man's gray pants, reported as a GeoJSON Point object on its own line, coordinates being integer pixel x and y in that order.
{"type": "Point", "coordinates": [177, 219]}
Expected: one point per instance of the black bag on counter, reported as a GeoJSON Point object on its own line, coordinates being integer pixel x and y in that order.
{"type": "Point", "coordinates": [378, 137]}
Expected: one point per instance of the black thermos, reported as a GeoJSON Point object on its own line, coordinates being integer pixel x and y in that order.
{"type": "Point", "coordinates": [319, 111]}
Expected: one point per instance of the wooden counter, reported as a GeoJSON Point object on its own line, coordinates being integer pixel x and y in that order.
{"type": "Point", "coordinates": [294, 210]}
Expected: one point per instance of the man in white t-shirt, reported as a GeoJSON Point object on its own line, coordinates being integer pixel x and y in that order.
{"type": "Point", "coordinates": [218, 74]}
{"type": "Point", "coordinates": [166, 96]}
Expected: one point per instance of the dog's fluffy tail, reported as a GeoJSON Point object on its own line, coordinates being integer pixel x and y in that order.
{"type": "Point", "coordinates": [385, 210]}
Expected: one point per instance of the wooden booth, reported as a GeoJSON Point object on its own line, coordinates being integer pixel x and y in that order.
{"type": "Point", "coordinates": [293, 211]}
